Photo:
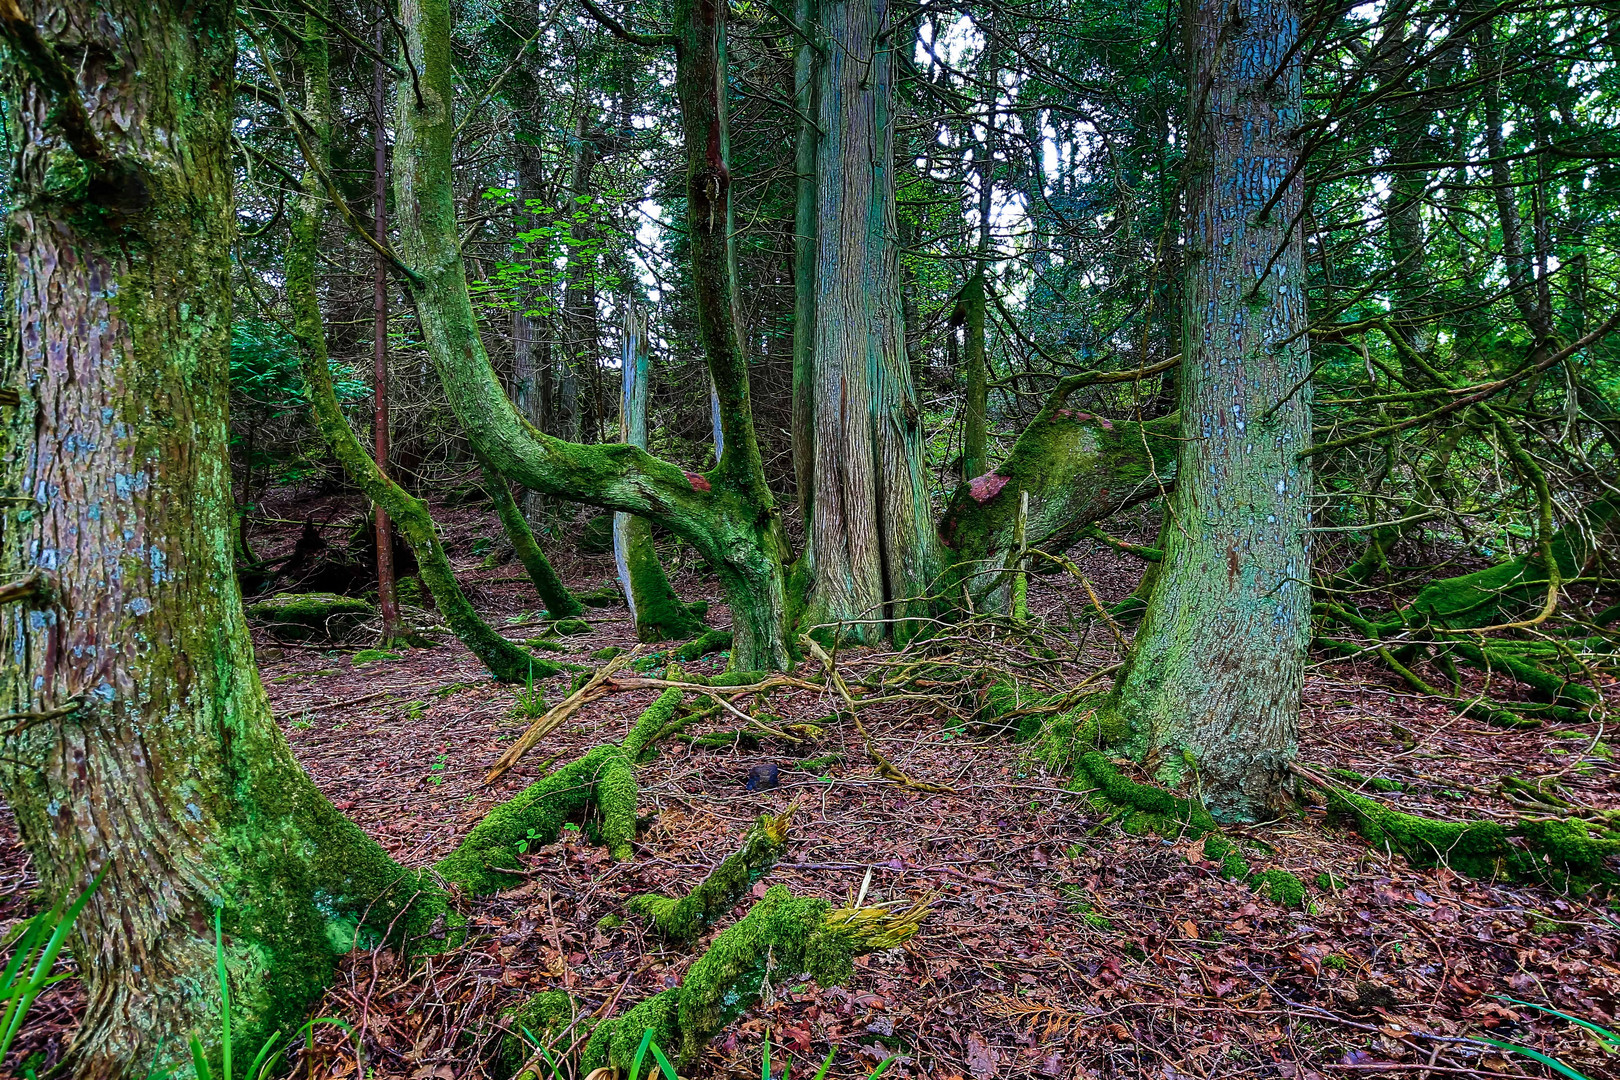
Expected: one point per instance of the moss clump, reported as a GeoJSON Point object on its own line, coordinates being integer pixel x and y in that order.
{"type": "Point", "coordinates": [1234, 867]}
{"type": "Point", "coordinates": [608, 653]}
{"type": "Point", "coordinates": [372, 656]}
{"type": "Point", "coordinates": [1281, 886]}
{"type": "Point", "coordinates": [547, 644]}
{"type": "Point", "coordinates": [311, 616]}
{"type": "Point", "coordinates": [708, 642]}
{"type": "Point", "coordinates": [684, 919]}
{"type": "Point", "coordinates": [539, 1017]}
{"type": "Point", "coordinates": [616, 799]}
{"type": "Point", "coordinates": [606, 596]}
{"type": "Point", "coordinates": [1568, 845]}
{"type": "Point", "coordinates": [570, 627]}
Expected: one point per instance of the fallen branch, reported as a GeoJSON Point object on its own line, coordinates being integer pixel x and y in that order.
{"type": "Point", "coordinates": [597, 686]}
{"type": "Point", "coordinates": [885, 767]}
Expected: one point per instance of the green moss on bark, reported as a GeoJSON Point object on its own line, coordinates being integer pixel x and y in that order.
{"type": "Point", "coordinates": [560, 603]}
{"type": "Point", "coordinates": [710, 641]}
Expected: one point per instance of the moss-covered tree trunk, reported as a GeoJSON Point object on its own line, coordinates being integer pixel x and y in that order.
{"type": "Point", "coordinates": [505, 661]}
{"type": "Point", "coordinates": [871, 534]}
{"type": "Point", "coordinates": [654, 608]}
{"type": "Point", "coordinates": [152, 755]}
{"type": "Point", "coordinates": [1214, 681]}
{"type": "Point", "coordinates": [727, 514]}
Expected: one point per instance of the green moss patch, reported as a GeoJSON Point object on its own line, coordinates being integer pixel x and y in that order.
{"type": "Point", "coordinates": [709, 642]}
{"type": "Point", "coordinates": [373, 656]}
{"type": "Point", "coordinates": [311, 616]}
{"type": "Point", "coordinates": [683, 919]}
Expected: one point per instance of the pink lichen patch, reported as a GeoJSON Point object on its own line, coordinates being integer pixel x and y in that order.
{"type": "Point", "coordinates": [986, 487]}
{"type": "Point", "coordinates": [698, 481]}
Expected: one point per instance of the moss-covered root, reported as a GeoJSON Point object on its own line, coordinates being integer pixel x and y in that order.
{"type": "Point", "coordinates": [780, 937]}
{"type": "Point", "coordinates": [684, 919]}
{"type": "Point", "coordinates": [560, 603]}
{"type": "Point", "coordinates": [1557, 851]}
{"type": "Point", "coordinates": [487, 860]}
{"type": "Point", "coordinates": [1156, 808]}
{"type": "Point", "coordinates": [1058, 727]}
{"type": "Point", "coordinates": [708, 642]}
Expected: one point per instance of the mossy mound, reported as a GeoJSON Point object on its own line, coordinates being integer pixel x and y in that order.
{"type": "Point", "coordinates": [373, 656]}
{"type": "Point", "coordinates": [570, 627]}
{"type": "Point", "coordinates": [1279, 885]}
{"type": "Point", "coordinates": [312, 616]}
{"type": "Point", "coordinates": [1143, 806]}
{"type": "Point", "coordinates": [606, 596]}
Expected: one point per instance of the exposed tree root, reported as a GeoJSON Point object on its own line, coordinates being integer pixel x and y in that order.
{"type": "Point", "coordinates": [1563, 852]}
{"type": "Point", "coordinates": [782, 936]}
{"type": "Point", "coordinates": [1066, 735]}
{"type": "Point", "coordinates": [682, 920]}
{"type": "Point", "coordinates": [487, 860]}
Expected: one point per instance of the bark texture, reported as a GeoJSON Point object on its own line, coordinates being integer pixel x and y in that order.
{"type": "Point", "coordinates": [153, 753]}
{"type": "Point", "coordinates": [871, 537]}
{"type": "Point", "coordinates": [1212, 691]}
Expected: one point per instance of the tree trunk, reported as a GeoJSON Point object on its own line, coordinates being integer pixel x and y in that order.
{"type": "Point", "coordinates": [386, 601]}
{"type": "Point", "coordinates": [728, 514]}
{"type": "Point", "coordinates": [804, 264]}
{"type": "Point", "coordinates": [870, 532]}
{"type": "Point", "coordinates": [657, 612]}
{"type": "Point", "coordinates": [154, 755]}
{"type": "Point", "coordinates": [975, 392]}
{"type": "Point", "coordinates": [506, 661]}
{"type": "Point", "coordinates": [1212, 690]}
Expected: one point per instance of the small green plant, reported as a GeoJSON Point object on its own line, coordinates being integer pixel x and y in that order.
{"type": "Point", "coordinates": [530, 837]}
{"type": "Point", "coordinates": [28, 972]}
{"type": "Point", "coordinates": [416, 710]}
{"type": "Point", "coordinates": [530, 703]}
{"type": "Point", "coordinates": [1336, 961]}
{"type": "Point", "coordinates": [270, 1055]}
{"type": "Point", "coordinates": [436, 770]}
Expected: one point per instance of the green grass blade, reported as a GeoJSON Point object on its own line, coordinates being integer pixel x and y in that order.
{"type": "Point", "coordinates": [765, 1066]}
{"type": "Point", "coordinates": [883, 1067]}
{"type": "Point", "coordinates": [1536, 1055]}
{"type": "Point", "coordinates": [199, 1061]}
{"type": "Point", "coordinates": [663, 1063]}
{"type": "Point", "coordinates": [641, 1052]}
{"type": "Point", "coordinates": [1610, 1040]}
{"type": "Point", "coordinates": [821, 1073]}
{"type": "Point", "coordinates": [224, 995]}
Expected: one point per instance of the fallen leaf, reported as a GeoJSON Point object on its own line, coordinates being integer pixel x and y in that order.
{"type": "Point", "coordinates": [981, 1057]}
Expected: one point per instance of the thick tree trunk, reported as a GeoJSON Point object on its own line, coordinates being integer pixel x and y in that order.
{"type": "Point", "coordinates": [1212, 691]}
{"type": "Point", "coordinates": [728, 514]}
{"type": "Point", "coordinates": [975, 392]}
{"type": "Point", "coordinates": [870, 532]}
{"type": "Point", "coordinates": [153, 755]}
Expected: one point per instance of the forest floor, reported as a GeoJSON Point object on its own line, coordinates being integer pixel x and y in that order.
{"type": "Point", "coordinates": [1057, 944]}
